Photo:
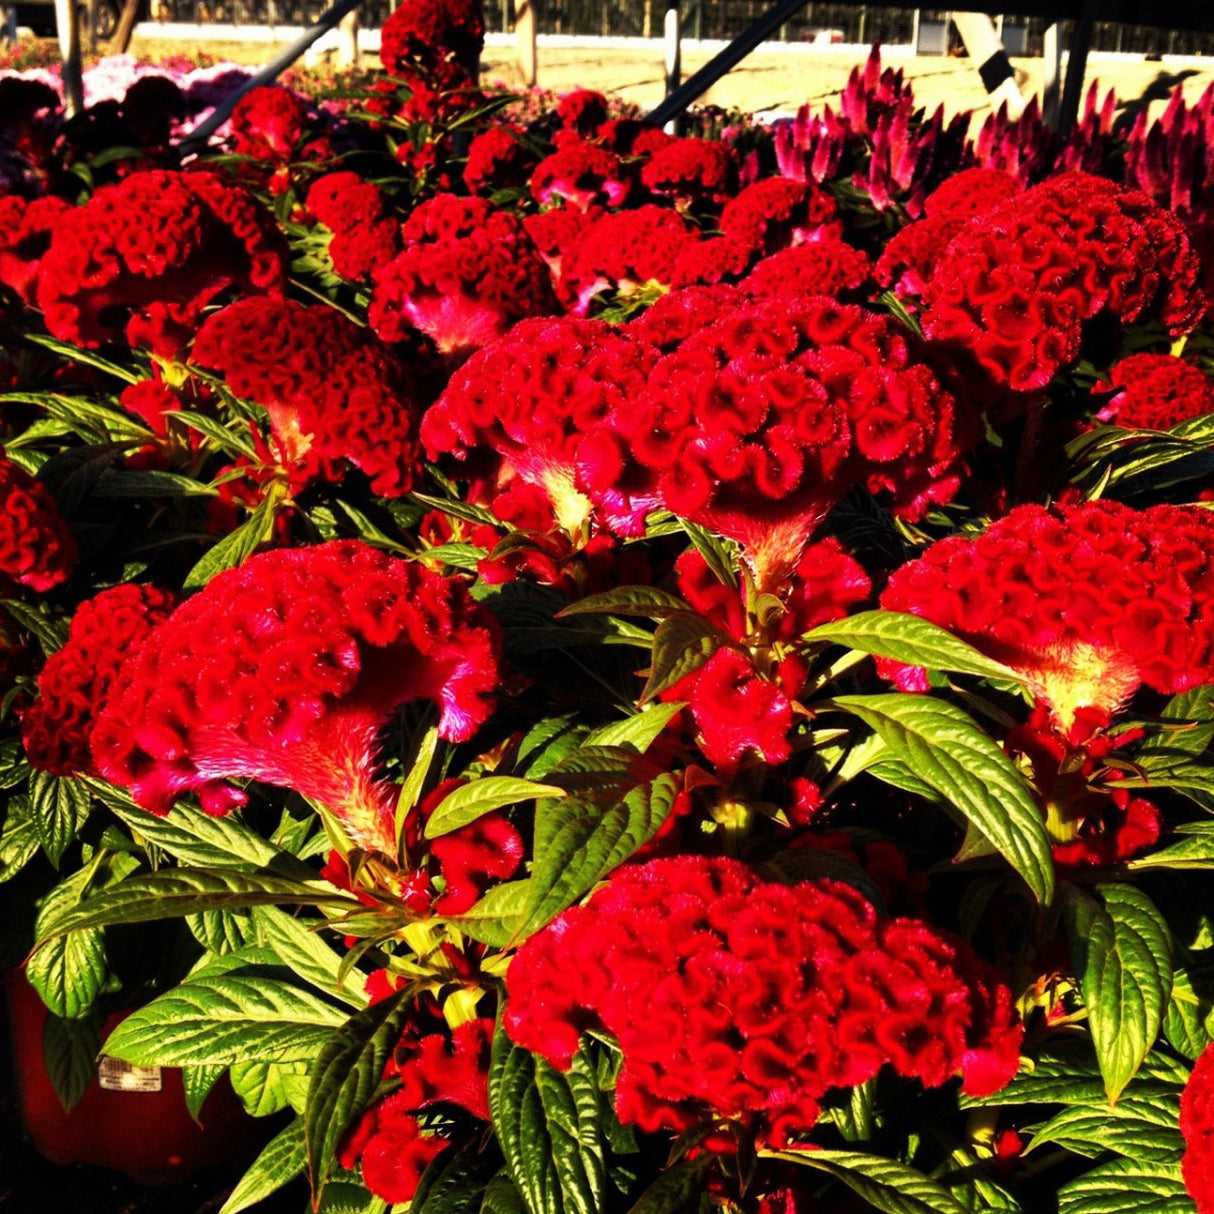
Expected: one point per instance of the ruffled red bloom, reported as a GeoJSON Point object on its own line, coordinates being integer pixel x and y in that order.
{"type": "Point", "coordinates": [1157, 392]}
{"type": "Point", "coordinates": [36, 548]}
{"type": "Point", "coordinates": [343, 200]}
{"type": "Point", "coordinates": [1014, 287]}
{"type": "Point", "coordinates": [580, 173]}
{"type": "Point", "coordinates": [431, 1069]}
{"type": "Point", "coordinates": [741, 701]}
{"type": "Point", "coordinates": [622, 250]}
{"type": "Point", "coordinates": [26, 227]}
{"type": "Point", "coordinates": [423, 34]}
{"type": "Point", "coordinates": [583, 111]}
{"type": "Point", "coordinates": [823, 267]}
{"type": "Point", "coordinates": [466, 274]}
{"type": "Point", "coordinates": [556, 231]}
{"type": "Point", "coordinates": [1087, 602]}
{"type": "Point", "coordinates": [284, 670]}
{"type": "Point", "coordinates": [673, 318]}
{"type": "Point", "coordinates": [689, 170]}
{"type": "Point", "coordinates": [759, 422]}
{"type": "Point", "coordinates": [708, 262]}
{"type": "Point", "coordinates": [497, 160]}
{"type": "Point", "coordinates": [777, 212]}
{"type": "Point", "coordinates": [73, 684]}
{"type": "Point", "coordinates": [267, 124]}
{"type": "Point", "coordinates": [1197, 1126]}
{"type": "Point", "coordinates": [335, 395]}
{"type": "Point", "coordinates": [759, 998]}
{"type": "Point", "coordinates": [149, 254]}
{"type": "Point", "coordinates": [150, 401]}
{"type": "Point", "coordinates": [530, 398]}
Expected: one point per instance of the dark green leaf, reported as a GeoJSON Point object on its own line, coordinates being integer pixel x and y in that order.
{"type": "Point", "coordinates": [944, 747]}
{"type": "Point", "coordinates": [1188, 1025]}
{"type": "Point", "coordinates": [69, 1050]}
{"type": "Point", "coordinates": [682, 643]}
{"type": "Point", "coordinates": [677, 1189]}
{"type": "Point", "coordinates": [1127, 1186]}
{"type": "Point", "coordinates": [199, 1082]}
{"type": "Point", "coordinates": [1123, 960]}
{"type": "Point", "coordinates": [455, 1182]}
{"type": "Point", "coordinates": [19, 840]}
{"type": "Point", "coordinates": [885, 1184]}
{"type": "Point", "coordinates": [1142, 1128]}
{"type": "Point", "coordinates": [1193, 850]}
{"type": "Point", "coordinates": [58, 807]}
{"type": "Point", "coordinates": [284, 1157]}
{"type": "Point", "coordinates": [236, 547]}
{"type": "Point", "coordinates": [647, 601]}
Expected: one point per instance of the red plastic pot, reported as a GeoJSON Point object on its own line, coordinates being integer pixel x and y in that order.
{"type": "Point", "coordinates": [131, 1119]}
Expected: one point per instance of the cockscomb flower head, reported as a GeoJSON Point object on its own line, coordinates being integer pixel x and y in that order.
{"type": "Point", "coordinates": [673, 318]}
{"type": "Point", "coordinates": [528, 400]}
{"type": "Point", "coordinates": [756, 425]}
{"type": "Point", "coordinates": [1156, 392]}
{"type": "Point", "coordinates": [1014, 287]}
{"type": "Point", "coordinates": [623, 250]}
{"type": "Point", "coordinates": [759, 997]}
{"type": "Point", "coordinates": [777, 212]}
{"type": "Point", "coordinates": [336, 396]}
{"type": "Point", "coordinates": [583, 111]}
{"type": "Point", "coordinates": [36, 548]}
{"type": "Point", "coordinates": [147, 255]}
{"type": "Point", "coordinates": [426, 34]}
{"type": "Point", "coordinates": [1086, 602]}
{"type": "Point", "coordinates": [822, 267]}
{"type": "Point", "coordinates": [285, 670]}
{"type": "Point", "coordinates": [268, 123]}
{"type": "Point", "coordinates": [708, 262]}
{"type": "Point", "coordinates": [466, 274]}
{"type": "Point", "coordinates": [497, 159]}
{"type": "Point", "coordinates": [691, 170]}
{"type": "Point", "coordinates": [580, 173]}
{"type": "Point", "coordinates": [73, 684]}
{"type": "Point", "coordinates": [1197, 1126]}
{"type": "Point", "coordinates": [26, 227]}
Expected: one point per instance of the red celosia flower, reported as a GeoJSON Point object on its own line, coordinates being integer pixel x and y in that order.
{"type": "Point", "coordinates": [336, 395]}
{"type": "Point", "coordinates": [708, 262]}
{"type": "Point", "coordinates": [1014, 287]}
{"type": "Point", "coordinates": [1086, 601]}
{"type": "Point", "coordinates": [554, 232]}
{"type": "Point", "coordinates": [776, 212]}
{"type": "Point", "coordinates": [344, 200]}
{"type": "Point", "coordinates": [622, 250]}
{"type": "Point", "coordinates": [430, 1069]}
{"type": "Point", "coordinates": [740, 701]}
{"type": "Point", "coordinates": [1197, 1126]}
{"type": "Point", "coordinates": [149, 253]}
{"type": "Point", "coordinates": [758, 423]}
{"type": "Point", "coordinates": [823, 267]}
{"type": "Point", "coordinates": [150, 401]}
{"type": "Point", "coordinates": [970, 193]}
{"type": "Point", "coordinates": [26, 227]}
{"type": "Point", "coordinates": [1157, 392]}
{"type": "Point", "coordinates": [497, 159]}
{"type": "Point", "coordinates": [580, 173]}
{"type": "Point", "coordinates": [531, 397]}
{"type": "Point", "coordinates": [759, 998]}
{"type": "Point", "coordinates": [284, 670]}
{"type": "Point", "coordinates": [673, 318]}
{"type": "Point", "coordinates": [690, 170]}
{"type": "Point", "coordinates": [583, 111]}
{"type": "Point", "coordinates": [57, 727]}
{"type": "Point", "coordinates": [36, 547]}
{"type": "Point", "coordinates": [267, 123]}
{"type": "Point", "coordinates": [425, 34]}
{"type": "Point", "coordinates": [466, 274]}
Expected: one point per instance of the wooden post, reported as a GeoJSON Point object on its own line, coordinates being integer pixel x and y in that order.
{"type": "Point", "coordinates": [68, 24]}
{"type": "Point", "coordinates": [1052, 73]}
{"type": "Point", "coordinates": [524, 27]}
{"type": "Point", "coordinates": [126, 27]}
{"type": "Point", "coordinates": [977, 32]}
{"type": "Point", "coordinates": [347, 46]}
{"type": "Point", "coordinates": [674, 58]}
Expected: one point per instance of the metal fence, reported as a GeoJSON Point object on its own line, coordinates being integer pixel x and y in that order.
{"type": "Point", "coordinates": [701, 19]}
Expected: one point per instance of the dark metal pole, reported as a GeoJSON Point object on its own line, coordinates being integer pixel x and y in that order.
{"type": "Point", "coordinates": [198, 137]}
{"type": "Point", "coordinates": [700, 82]}
{"type": "Point", "coordinates": [1076, 68]}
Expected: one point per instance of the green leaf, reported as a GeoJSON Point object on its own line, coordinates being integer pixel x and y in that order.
{"type": "Point", "coordinates": [909, 639]}
{"type": "Point", "coordinates": [885, 1184]}
{"type": "Point", "coordinates": [173, 893]}
{"type": "Point", "coordinates": [233, 442]}
{"type": "Point", "coordinates": [719, 553]}
{"type": "Point", "coordinates": [284, 1157]}
{"type": "Point", "coordinates": [455, 1182]}
{"type": "Point", "coordinates": [1127, 1186]}
{"type": "Point", "coordinates": [682, 643]}
{"type": "Point", "coordinates": [1123, 960]}
{"type": "Point", "coordinates": [577, 843]}
{"type": "Point", "coordinates": [302, 950]}
{"type": "Point", "coordinates": [944, 747]}
{"type": "Point", "coordinates": [269, 1087]}
{"type": "Point", "coordinates": [479, 797]}
{"type": "Point", "coordinates": [19, 840]}
{"type": "Point", "coordinates": [1188, 1024]}
{"type": "Point", "coordinates": [639, 731]}
{"type": "Point", "coordinates": [69, 972]}
{"type": "Point", "coordinates": [1193, 850]}
{"type": "Point", "coordinates": [236, 547]}
{"type": "Point", "coordinates": [548, 1125]}
{"type": "Point", "coordinates": [1185, 729]}
{"type": "Point", "coordinates": [226, 1016]}
{"type": "Point", "coordinates": [73, 354]}
{"type": "Point", "coordinates": [58, 807]}
{"type": "Point", "coordinates": [1142, 1128]}
{"type": "Point", "coordinates": [345, 1076]}
{"type": "Point", "coordinates": [199, 1082]}
{"type": "Point", "coordinates": [677, 1188]}
{"type": "Point", "coordinates": [69, 1051]}
{"type": "Point", "coordinates": [501, 1197]}
{"type": "Point", "coordinates": [496, 918]}
{"type": "Point", "coordinates": [646, 601]}
{"type": "Point", "coordinates": [220, 931]}
{"type": "Point", "coordinates": [147, 483]}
